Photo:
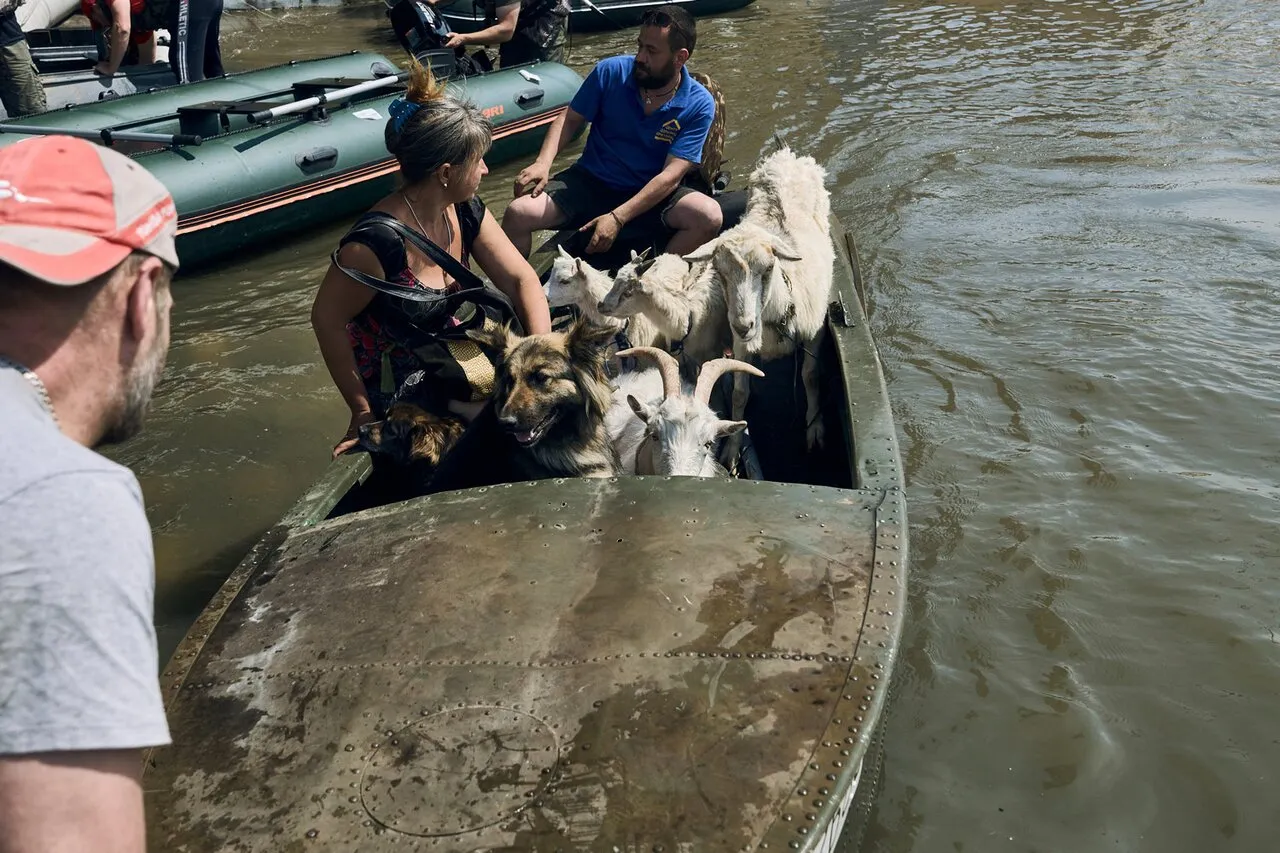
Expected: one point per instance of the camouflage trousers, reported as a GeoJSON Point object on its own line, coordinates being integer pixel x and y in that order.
{"type": "Point", "coordinates": [20, 88]}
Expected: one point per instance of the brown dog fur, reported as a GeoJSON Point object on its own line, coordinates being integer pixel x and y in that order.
{"type": "Point", "coordinates": [412, 436]}
{"type": "Point", "coordinates": [550, 399]}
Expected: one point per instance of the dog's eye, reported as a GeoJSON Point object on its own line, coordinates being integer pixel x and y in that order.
{"type": "Point", "coordinates": [541, 377]}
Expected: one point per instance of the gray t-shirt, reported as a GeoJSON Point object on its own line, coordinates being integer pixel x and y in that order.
{"type": "Point", "coordinates": [78, 661]}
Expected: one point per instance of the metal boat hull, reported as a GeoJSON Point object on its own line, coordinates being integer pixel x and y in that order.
{"type": "Point", "coordinates": [633, 663]}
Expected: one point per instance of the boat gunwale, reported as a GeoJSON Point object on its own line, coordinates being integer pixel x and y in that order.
{"type": "Point", "coordinates": [836, 764]}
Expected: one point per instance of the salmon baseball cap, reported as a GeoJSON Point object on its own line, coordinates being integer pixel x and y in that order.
{"type": "Point", "coordinates": [71, 210]}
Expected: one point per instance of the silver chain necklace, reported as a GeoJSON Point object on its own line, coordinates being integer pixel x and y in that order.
{"type": "Point", "coordinates": [36, 383]}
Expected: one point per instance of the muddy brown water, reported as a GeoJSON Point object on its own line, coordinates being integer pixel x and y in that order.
{"type": "Point", "coordinates": [1069, 218]}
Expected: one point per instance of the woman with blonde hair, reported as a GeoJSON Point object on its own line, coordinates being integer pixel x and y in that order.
{"type": "Point", "coordinates": [399, 287]}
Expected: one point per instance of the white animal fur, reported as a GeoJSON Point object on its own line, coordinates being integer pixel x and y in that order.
{"type": "Point", "coordinates": [573, 281]}
{"type": "Point", "coordinates": [776, 268]}
{"type": "Point", "coordinates": [680, 431]}
{"type": "Point", "coordinates": [682, 301]}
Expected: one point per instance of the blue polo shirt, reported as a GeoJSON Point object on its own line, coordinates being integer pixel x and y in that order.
{"type": "Point", "coordinates": [626, 148]}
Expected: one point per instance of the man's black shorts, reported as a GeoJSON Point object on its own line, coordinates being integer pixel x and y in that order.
{"type": "Point", "coordinates": [581, 197]}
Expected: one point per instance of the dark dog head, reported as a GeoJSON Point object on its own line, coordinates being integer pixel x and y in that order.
{"type": "Point", "coordinates": [411, 434]}
{"type": "Point", "coordinates": [550, 383]}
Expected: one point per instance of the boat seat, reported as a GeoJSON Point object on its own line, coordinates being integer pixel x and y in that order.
{"type": "Point", "coordinates": [210, 118]}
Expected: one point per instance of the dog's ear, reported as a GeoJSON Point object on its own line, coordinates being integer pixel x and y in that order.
{"type": "Point", "coordinates": [587, 342]}
{"type": "Point", "coordinates": [496, 339]}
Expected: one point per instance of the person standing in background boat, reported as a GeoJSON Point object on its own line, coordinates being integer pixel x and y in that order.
{"type": "Point", "coordinates": [21, 91]}
{"type": "Point", "coordinates": [370, 339]}
{"type": "Point", "coordinates": [649, 122]}
{"type": "Point", "coordinates": [86, 256]}
{"type": "Point", "coordinates": [525, 31]}
{"type": "Point", "coordinates": [195, 27]}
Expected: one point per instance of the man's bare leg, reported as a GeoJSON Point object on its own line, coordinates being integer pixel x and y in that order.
{"type": "Point", "coordinates": [527, 214]}
{"type": "Point", "coordinates": [696, 219]}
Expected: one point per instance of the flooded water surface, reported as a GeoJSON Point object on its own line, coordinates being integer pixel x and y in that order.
{"type": "Point", "coordinates": [1069, 220]}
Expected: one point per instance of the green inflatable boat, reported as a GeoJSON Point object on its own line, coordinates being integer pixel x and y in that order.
{"type": "Point", "coordinates": [253, 156]}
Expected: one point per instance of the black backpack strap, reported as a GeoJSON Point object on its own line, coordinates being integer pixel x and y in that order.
{"type": "Point", "coordinates": [489, 300]}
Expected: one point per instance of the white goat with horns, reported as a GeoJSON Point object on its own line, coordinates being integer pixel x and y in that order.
{"type": "Point", "coordinates": [776, 267]}
{"type": "Point", "coordinates": [574, 282]}
{"type": "Point", "coordinates": [677, 434]}
{"type": "Point", "coordinates": [682, 300]}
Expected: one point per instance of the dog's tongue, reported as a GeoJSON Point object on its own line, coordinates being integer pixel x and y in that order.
{"type": "Point", "coordinates": [524, 436]}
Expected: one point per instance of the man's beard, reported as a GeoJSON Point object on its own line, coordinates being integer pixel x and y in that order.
{"type": "Point", "coordinates": [659, 79]}
{"type": "Point", "coordinates": [136, 397]}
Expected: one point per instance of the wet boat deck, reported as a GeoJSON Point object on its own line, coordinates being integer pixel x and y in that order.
{"type": "Point", "coordinates": [533, 665]}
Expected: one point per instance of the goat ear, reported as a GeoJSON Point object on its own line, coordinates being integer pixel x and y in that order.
{"type": "Point", "coordinates": [641, 410]}
{"type": "Point", "coordinates": [724, 428]}
{"type": "Point", "coordinates": [784, 250]}
{"type": "Point", "coordinates": [564, 253]}
{"type": "Point", "coordinates": [703, 252]}
{"type": "Point", "coordinates": [496, 339]}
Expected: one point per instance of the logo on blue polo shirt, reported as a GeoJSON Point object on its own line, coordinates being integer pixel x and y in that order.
{"type": "Point", "coordinates": [667, 133]}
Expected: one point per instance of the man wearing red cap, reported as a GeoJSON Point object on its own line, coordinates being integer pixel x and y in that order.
{"type": "Point", "coordinates": [86, 255]}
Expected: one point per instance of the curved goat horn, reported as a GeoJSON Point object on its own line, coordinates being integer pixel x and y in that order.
{"type": "Point", "coordinates": [712, 370]}
{"type": "Point", "coordinates": [667, 365]}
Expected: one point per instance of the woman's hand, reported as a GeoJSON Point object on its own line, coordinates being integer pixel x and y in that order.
{"type": "Point", "coordinates": [352, 438]}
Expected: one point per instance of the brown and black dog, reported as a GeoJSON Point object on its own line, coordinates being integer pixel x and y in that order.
{"type": "Point", "coordinates": [550, 398]}
{"type": "Point", "coordinates": [411, 437]}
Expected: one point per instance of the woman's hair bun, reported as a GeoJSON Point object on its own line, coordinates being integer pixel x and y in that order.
{"type": "Point", "coordinates": [423, 87]}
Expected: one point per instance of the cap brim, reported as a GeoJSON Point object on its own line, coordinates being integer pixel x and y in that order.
{"type": "Point", "coordinates": [57, 256]}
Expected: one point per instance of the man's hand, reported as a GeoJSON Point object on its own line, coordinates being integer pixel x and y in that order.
{"type": "Point", "coordinates": [606, 228]}
{"type": "Point", "coordinates": [104, 68]}
{"type": "Point", "coordinates": [532, 180]}
{"type": "Point", "coordinates": [456, 40]}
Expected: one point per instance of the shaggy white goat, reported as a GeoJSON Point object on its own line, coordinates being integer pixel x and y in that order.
{"type": "Point", "coordinates": [682, 300]}
{"type": "Point", "coordinates": [573, 281]}
{"type": "Point", "coordinates": [674, 433]}
{"type": "Point", "coordinates": [776, 269]}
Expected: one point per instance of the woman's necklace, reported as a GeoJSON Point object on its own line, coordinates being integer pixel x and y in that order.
{"type": "Point", "coordinates": [448, 228]}
{"type": "Point", "coordinates": [36, 383]}
{"type": "Point", "coordinates": [649, 99]}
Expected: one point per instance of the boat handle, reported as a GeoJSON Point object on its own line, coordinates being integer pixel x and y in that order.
{"type": "Point", "coordinates": [528, 96]}
{"type": "Point", "coordinates": [323, 157]}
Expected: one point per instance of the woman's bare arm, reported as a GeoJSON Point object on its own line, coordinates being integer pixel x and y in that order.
{"type": "Point", "coordinates": [512, 274]}
{"type": "Point", "coordinates": [337, 302]}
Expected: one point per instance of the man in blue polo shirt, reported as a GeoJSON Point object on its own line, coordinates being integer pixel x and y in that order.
{"type": "Point", "coordinates": [649, 120]}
